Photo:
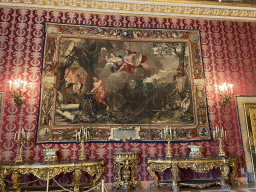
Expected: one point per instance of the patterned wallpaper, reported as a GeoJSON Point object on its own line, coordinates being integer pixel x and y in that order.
{"type": "Point", "coordinates": [229, 55]}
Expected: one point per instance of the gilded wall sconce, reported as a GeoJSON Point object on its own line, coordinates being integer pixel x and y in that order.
{"type": "Point", "coordinates": [226, 93]}
{"type": "Point", "coordinates": [17, 91]}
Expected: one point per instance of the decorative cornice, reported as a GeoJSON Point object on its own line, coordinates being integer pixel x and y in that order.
{"type": "Point", "coordinates": [166, 8]}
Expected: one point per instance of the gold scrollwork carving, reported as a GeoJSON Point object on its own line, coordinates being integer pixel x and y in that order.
{"type": "Point", "coordinates": [159, 167]}
{"type": "Point", "coordinates": [126, 166]}
{"type": "Point", "coordinates": [200, 166]}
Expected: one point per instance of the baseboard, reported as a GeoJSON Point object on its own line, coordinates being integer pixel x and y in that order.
{"type": "Point", "coordinates": [142, 184]}
{"type": "Point", "coordinates": [241, 180]}
{"type": "Point", "coordinates": [146, 184]}
{"type": "Point", "coordinates": [250, 178]}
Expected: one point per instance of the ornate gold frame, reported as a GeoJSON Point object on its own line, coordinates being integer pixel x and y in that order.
{"type": "Point", "coordinates": [250, 117]}
{"type": "Point", "coordinates": [103, 131]}
{"type": "Point", "coordinates": [243, 104]}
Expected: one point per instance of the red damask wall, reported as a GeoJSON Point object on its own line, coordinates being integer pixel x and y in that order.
{"type": "Point", "coordinates": [229, 56]}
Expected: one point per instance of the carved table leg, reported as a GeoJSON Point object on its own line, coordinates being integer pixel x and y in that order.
{"type": "Point", "coordinates": [224, 176]}
{"type": "Point", "coordinates": [77, 177]}
{"type": "Point", "coordinates": [100, 170]}
{"type": "Point", "coordinates": [16, 176]}
{"type": "Point", "coordinates": [117, 183]}
{"type": "Point", "coordinates": [234, 166]}
{"type": "Point", "coordinates": [175, 171]}
{"type": "Point", "coordinates": [134, 180]}
{"type": "Point", "coordinates": [153, 175]}
{"type": "Point", "coordinates": [126, 176]}
{"type": "Point", "coordinates": [3, 184]}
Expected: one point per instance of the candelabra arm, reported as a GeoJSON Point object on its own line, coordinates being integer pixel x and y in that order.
{"type": "Point", "coordinates": [19, 158]}
{"type": "Point", "coordinates": [17, 98]}
{"type": "Point", "coordinates": [82, 156]}
{"type": "Point", "coordinates": [168, 153]}
{"type": "Point", "coordinates": [225, 99]}
{"type": "Point", "coordinates": [221, 151]}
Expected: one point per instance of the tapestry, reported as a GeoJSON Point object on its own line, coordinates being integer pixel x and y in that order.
{"type": "Point", "coordinates": [121, 84]}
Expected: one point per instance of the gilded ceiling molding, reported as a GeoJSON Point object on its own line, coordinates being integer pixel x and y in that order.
{"type": "Point", "coordinates": [148, 7]}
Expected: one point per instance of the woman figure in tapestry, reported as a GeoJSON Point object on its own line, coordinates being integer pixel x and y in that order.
{"type": "Point", "coordinates": [100, 93]}
{"type": "Point", "coordinates": [114, 61]}
{"type": "Point", "coordinates": [132, 61]}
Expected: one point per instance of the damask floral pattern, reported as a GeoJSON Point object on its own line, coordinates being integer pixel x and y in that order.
{"type": "Point", "coordinates": [229, 56]}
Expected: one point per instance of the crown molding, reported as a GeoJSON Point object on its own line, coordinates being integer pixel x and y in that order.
{"type": "Point", "coordinates": [167, 8]}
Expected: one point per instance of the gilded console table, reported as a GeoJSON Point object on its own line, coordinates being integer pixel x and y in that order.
{"type": "Point", "coordinates": [124, 162]}
{"type": "Point", "coordinates": [41, 170]}
{"type": "Point", "coordinates": [201, 165]}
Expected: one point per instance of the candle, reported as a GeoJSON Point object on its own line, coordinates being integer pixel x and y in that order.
{"type": "Point", "coordinates": [19, 134]}
{"type": "Point", "coordinates": [161, 135]}
{"type": "Point", "coordinates": [231, 88]}
{"type": "Point", "coordinates": [79, 135]}
{"type": "Point", "coordinates": [84, 131]}
{"type": "Point", "coordinates": [15, 84]}
{"type": "Point", "coordinates": [76, 136]}
{"type": "Point", "coordinates": [225, 134]}
{"type": "Point", "coordinates": [47, 187]}
{"type": "Point", "coordinates": [213, 133]}
{"type": "Point", "coordinates": [28, 135]}
{"type": "Point", "coordinates": [221, 89]}
{"type": "Point", "coordinates": [10, 85]}
{"type": "Point", "coordinates": [24, 85]}
{"type": "Point", "coordinates": [222, 133]}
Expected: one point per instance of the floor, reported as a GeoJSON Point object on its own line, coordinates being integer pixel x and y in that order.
{"type": "Point", "coordinates": [239, 188]}
{"type": "Point", "coordinates": [235, 188]}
